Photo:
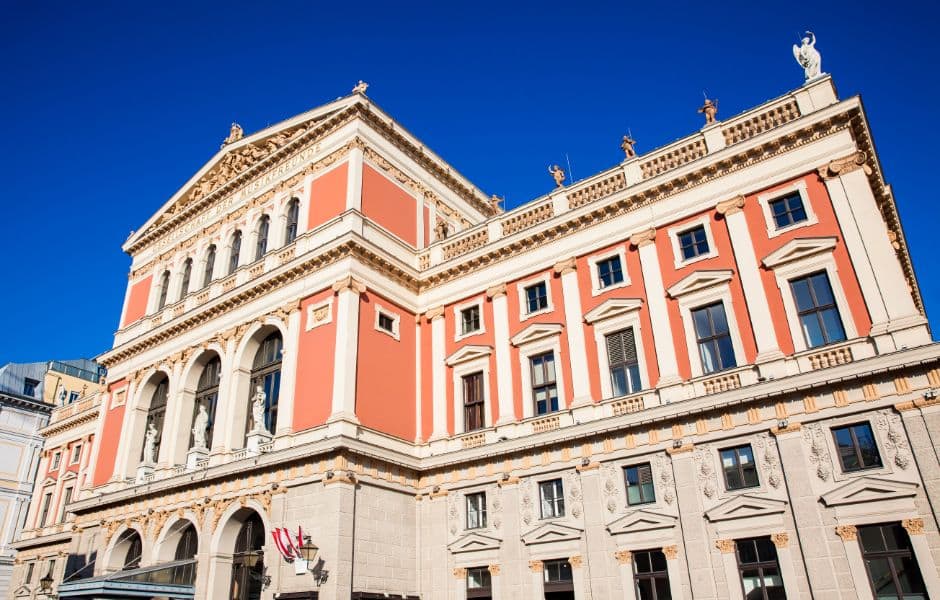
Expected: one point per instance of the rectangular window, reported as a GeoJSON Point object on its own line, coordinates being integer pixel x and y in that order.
{"type": "Point", "coordinates": [788, 210]}
{"type": "Point", "coordinates": [544, 386]}
{"type": "Point", "coordinates": [470, 320]}
{"type": "Point", "coordinates": [56, 459]}
{"type": "Point", "coordinates": [76, 453]}
{"type": "Point", "coordinates": [857, 447]}
{"type": "Point", "coordinates": [713, 338]}
{"type": "Point", "coordinates": [557, 580]}
{"type": "Point", "coordinates": [66, 498]}
{"type": "Point", "coordinates": [609, 272]}
{"type": "Point", "coordinates": [479, 583]}
{"type": "Point", "coordinates": [386, 322]}
{"type": "Point", "coordinates": [759, 569]}
{"type": "Point", "coordinates": [650, 575]}
{"type": "Point", "coordinates": [552, 496]}
{"type": "Point", "coordinates": [739, 467]}
{"type": "Point", "coordinates": [536, 297]}
{"type": "Point", "coordinates": [476, 510]}
{"type": "Point", "coordinates": [693, 242]}
{"type": "Point", "coordinates": [816, 308]}
{"type": "Point", "coordinates": [622, 358]}
{"type": "Point", "coordinates": [44, 513]}
{"type": "Point", "coordinates": [639, 480]}
{"type": "Point", "coordinates": [29, 387]}
{"type": "Point", "coordinates": [29, 572]}
{"type": "Point", "coordinates": [473, 406]}
{"type": "Point", "coordinates": [892, 568]}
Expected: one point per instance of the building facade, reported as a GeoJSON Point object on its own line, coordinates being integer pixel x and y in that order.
{"type": "Point", "coordinates": [702, 373]}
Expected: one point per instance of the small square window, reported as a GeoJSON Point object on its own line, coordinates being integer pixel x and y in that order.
{"type": "Point", "coordinates": [552, 497]}
{"type": "Point", "coordinates": [387, 323]}
{"type": "Point", "coordinates": [693, 242]}
{"type": "Point", "coordinates": [536, 297]}
{"type": "Point", "coordinates": [609, 272]}
{"type": "Point", "coordinates": [739, 467]}
{"type": "Point", "coordinates": [476, 510]}
{"type": "Point", "coordinates": [639, 480]}
{"type": "Point", "coordinates": [73, 396]}
{"type": "Point", "coordinates": [788, 210]}
{"type": "Point", "coordinates": [470, 320]}
{"type": "Point", "coordinates": [857, 447]}
{"type": "Point", "coordinates": [29, 387]}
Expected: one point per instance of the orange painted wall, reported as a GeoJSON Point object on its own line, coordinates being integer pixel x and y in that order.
{"type": "Point", "coordinates": [826, 226]}
{"type": "Point", "coordinates": [327, 196]}
{"type": "Point", "coordinates": [313, 391]}
{"type": "Point", "coordinates": [385, 380]}
{"type": "Point", "coordinates": [557, 315]}
{"type": "Point", "coordinates": [589, 302]}
{"type": "Point", "coordinates": [137, 301]}
{"type": "Point", "coordinates": [389, 205]}
{"type": "Point", "coordinates": [110, 436]}
{"type": "Point", "coordinates": [451, 323]}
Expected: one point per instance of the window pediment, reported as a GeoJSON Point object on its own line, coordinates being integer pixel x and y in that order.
{"type": "Point", "coordinates": [468, 353]}
{"type": "Point", "coordinates": [473, 542]}
{"type": "Point", "coordinates": [869, 489]}
{"type": "Point", "coordinates": [744, 506]}
{"type": "Point", "coordinates": [700, 280]}
{"type": "Point", "coordinates": [641, 520]}
{"type": "Point", "coordinates": [797, 249]}
{"type": "Point", "coordinates": [535, 332]}
{"type": "Point", "coordinates": [613, 308]}
{"type": "Point", "coordinates": [551, 532]}
{"type": "Point", "coordinates": [69, 475]}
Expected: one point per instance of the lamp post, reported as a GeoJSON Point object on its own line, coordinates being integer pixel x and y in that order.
{"type": "Point", "coordinates": [45, 586]}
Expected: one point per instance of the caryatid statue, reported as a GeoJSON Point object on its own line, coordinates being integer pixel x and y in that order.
{"type": "Point", "coordinates": [559, 175]}
{"type": "Point", "coordinates": [150, 444]}
{"type": "Point", "coordinates": [200, 424]}
{"type": "Point", "coordinates": [627, 146]}
{"type": "Point", "coordinates": [257, 410]}
{"type": "Point", "coordinates": [808, 56]}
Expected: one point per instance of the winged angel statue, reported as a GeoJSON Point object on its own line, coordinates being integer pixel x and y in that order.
{"type": "Point", "coordinates": [808, 56]}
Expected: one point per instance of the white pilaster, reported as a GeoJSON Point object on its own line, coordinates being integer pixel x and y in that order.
{"type": "Point", "coordinates": [503, 361]}
{"type": "Point", "coordinates": [577, 577]}
{"type": "Point", "coordinates": [659, 313]}
{"type": "Point", "coordinates": [495, 582]}
{"type": "Point", "coordinates": [419, 385]}
{"type": "Point", "coordinates": [757, 306]}
{"type": "Point", "coordinates": [225, 406]}
{"type": "Point", "coordinates": [354, 180]}
{"type": "Point", "coordinates": [853, 555]}
{"type": "Point", "coordinates": [925, 558]}
{"type": "Point", "coordinates": [785, 560]}
{"type": "Point", "coordinates": [173, 420]}
{"type": "Point", "coordinates": [537, 585]}
{"type": "Point", "coordinates": [347, 349]}
{"type": "Point", "coordinates": [625, 570]}
{"type": "Point", "coordinates": [303, 216]}
{"type": "Point", "coordinates": [285, 412]}
{"type": "Point", "coordinates": [438, 372]}
{"type": "Point", "coordinates": [574, 319]}
{"type": "Point", "coordinates": [730, 564]}
{"type": "Point", "coordinates": [672, 571]}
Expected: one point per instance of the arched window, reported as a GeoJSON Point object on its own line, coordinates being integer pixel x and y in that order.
{"type": "Point", "coordinates": [293, 216]}
{"type": "Point", "coordinates": [164, 288]}
{"type": "Point", "coordinates": [207, 394]}
{"type": "Point", "coordinates": [236, 250]}
{"type": "Point", "coordinates": [135, 548]}
{"type": "Point", "coordinates": [186, 549]}
{"type": "Point", "coordinates": [266, 372]}
{"type": "Point", "coordinates": [248, 560]}
{"type": "Point", "coordinates": [155, 415]}
{"type": "Point", "coordinates": [187, 275]}
{"type": "Point", "coordinates": [210, 265]}
{"type": "Point", "coordinates": [264, 224]}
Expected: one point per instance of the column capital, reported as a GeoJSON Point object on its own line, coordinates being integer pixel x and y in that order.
{"type": "Point", "coordinates": [460, 573]}
{"type": "Point", "coordinates": [842, 166]}
{"type": "Point", "coordinates": [434, 313]}
{"type": "Point", "coordinates": [913, 526]}
{"type": "Point", "coordinates": [730, 206]}
{"type": "Point", "coordinates": [624, 557]}
{"type": "Point", "coordinates": [349, 283]}
{"type": "Point", "coordinates": [569, 265]}
{"type": "Point", "coordinates": [780, 540]}
{"type": "Point", "coordinates": [535, 566]}
{"type": "Point", "coordinates": [576, 561]}
{"type": "Point", "coordinates": [725, 546]}
{"type": "Point", "coordinates": [643, 238]}
{"type": "Point", "coordinates": [681, 449]}
{"type": "Point", "coordinates": [848, 533]}
{"type": "Point", "coordinates": [496, 291]}
{"type": "Point", "coordinates": [790, 428]}
{"type": "Point", "coordinates": [493, 569]}
{"type": "Point", "coordinates": [671, 552]}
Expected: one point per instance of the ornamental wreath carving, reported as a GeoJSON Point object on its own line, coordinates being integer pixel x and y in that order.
{"type": "Point", "coordinates": [497, 506]}
{"type": "Point", "coordinates": [894, 438]}
{"type": "Point", "coordinates": [818, 452]}
{"type": "Point", "coordinates": [769, 461]}
{"type": "Point", "coordinates": [610, 488]}
{"type": "Point", "coordinates": [526, 501]}
{"type": "Point", "coordinates": [705, 469]}
{"type": "Point", "coordinates": [574, 494]}
{"type": "Point", "coordinates": [666, 482]}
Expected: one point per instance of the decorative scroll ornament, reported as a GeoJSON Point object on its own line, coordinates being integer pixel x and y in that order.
{"type": "Point", "coordinates": [706, 472]}
{"type": "Point", "coordinates": [770, 463]}
{"type": "Point", "coordinates": [666, 482]}
{"type": "Point", "coordinates": [808, 56]}
{"type": "Point", "coordinates": [818, 453]}
{"type": "Point", "coordinates": [890, 425]}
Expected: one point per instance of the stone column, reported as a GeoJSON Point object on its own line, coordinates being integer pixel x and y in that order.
{"type": "Point", "coordinates": [225, 406]}
{"type": "Point", "coordinates": [692, 518]}
{"type": "Point", "coordinates": [495, 581]}
{"type": "Point", "coordinates": [785, 560]}
{"type": "Point", "coordinates": [512, 580]}
{"type": "Point", "coordinates": [659, 313]}
{"type": "Point", "coordinates": [729, 564]}
{"type": "Point", "coordinates": [354, 177]}
{"type": "Point", "coordinates": [348, 290]}
{"type": "Point", "coordinates": [758, 308]}
{"type": "Point", "coordinates": [858, 574]}
{"type": "Point", "coordinates": [625, 569]}
{"type": "Point", "coordinates": [438, 372]}
{"type": "Point", "coordinates": [338, 549]}
{"type": "Point", "coordinates": [537, 580]}
{"type": "Point", "coordinates": [673, 572]}
{"type": "Point", "coordinates": [925, 558]}
{"type": "Point", "coordinates": [285, 412]}
{"type": "Point", "coordinates": [460, 584]}
{"type": "Point", "coordinates": [923, 449]}
{"type": "Point", "coordinates": [35, 506]}
{"type": "Point", "coordinates": [574, 325]}
{"type": "Point", "coordinates": [419, 383]}
{"type": "Point", "coordinates": [597, 541]}
{"type": "Point", "coordinates": [303, 215]}
{"type": "Point", "coordinates": [577, 577]}
{"type": "Point", "coordinates": [507, 412]}
{"type": "Point", "coordinates": [174, 420]}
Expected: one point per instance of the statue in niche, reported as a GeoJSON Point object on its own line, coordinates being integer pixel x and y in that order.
{"type": "Point", "coordinates": [710, 110]}
{"type": "Point", "coordinates": [150, 444]}
{"type": "Point", "coordinates": [558, 175]}
{"type": "Point", "coordinates": [627, 146]}
{"type": "Point", "coordinates": [200, 425]}
{"type": "Point", "coordinates": [257, 411]}
{"type": "Point", "coordinates": [63, 396]}
{"type": "Point", "coordinates": [808, 56]}
{"type": "Point", "coordinates": [441, 230]}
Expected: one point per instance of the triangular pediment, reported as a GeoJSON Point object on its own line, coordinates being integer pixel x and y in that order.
{"type": "Point", "coordinates": [48, 481]}
{"type": "Point", "coordinates": [700, 280]}
{"type": "Point", "coordinates": [613, 308]}
{"type": "Point", "coordinates": [22, 592]}
{"type": "Point", "coordinates": [69, 475]}
{"type": "Point", "coordinates": [473, 542]}
{"type": "Point", "coordinates": [742, 507]}
{"type": "Point", "coordinates": [797, 249]}
{"type": "Point", "coordinates": [551, 532]}
{"type": "Point", "coordinates": [641, 520]}
{"type": "Point", "coordinates": [869, 489]}
{"type": "Point", "coordinates": [535, 332]}
{"type": "Point", "coordinates": [468, 353]}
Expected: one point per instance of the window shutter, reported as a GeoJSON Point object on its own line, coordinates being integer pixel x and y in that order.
{"type": "Point", "coordinates": [621, 347]}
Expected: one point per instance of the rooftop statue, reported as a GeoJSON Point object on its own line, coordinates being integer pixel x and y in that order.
{"type": "Point", "coordinates": [808, 56]}
{"type": "Point", "coordinates": [627, 146]}
{"type": "Point", "coordinates": [360, 88]}
{"type": "Point", "coordinates": [235, 133]}
{"type": "Point", "coordinates": [710, 110]}
{"type": "Point", "coordinates": [558, 175]}
{"type": "Point", "coordinates": [495, 201]}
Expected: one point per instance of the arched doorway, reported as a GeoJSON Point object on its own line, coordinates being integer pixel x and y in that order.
{"type": "Point", "coordinates": [248, 560]}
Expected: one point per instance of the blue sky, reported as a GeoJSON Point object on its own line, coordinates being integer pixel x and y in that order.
{"type": "Point", "coordinates": [108, 108]}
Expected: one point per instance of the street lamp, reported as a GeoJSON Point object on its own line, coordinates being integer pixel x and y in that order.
{"type": "Point", "coordinates": [308, 550]}
{"type": "Point", "coordinates": [45, 586]}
